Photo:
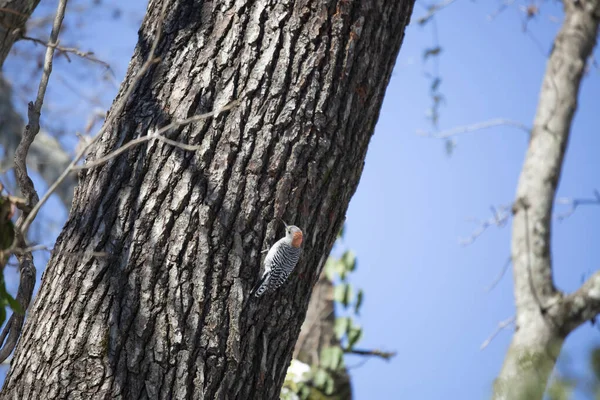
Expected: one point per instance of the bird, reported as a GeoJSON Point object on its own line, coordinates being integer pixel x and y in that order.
{"type": "Point", "coordinates": [280, 261]}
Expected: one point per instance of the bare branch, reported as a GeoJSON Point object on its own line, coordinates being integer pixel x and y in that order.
{"type": "Point", "coordinates": [46, 156]}
{"type": "Point", "coordinates": [474, 127]}
{"type": "Point", "coordinates": [386, 355]}
{"type": "Point", "coordinates": [108, 122]}
{"type": "Point", "coordinates": [582, 305]}
{"type": "Point", "coordinates": [26, 266]}
{"type": "Point", "coordinates": [158, 136]}
{"type": "Point", "coordinates": [432, 9]}
{"type": "Point", "coordinates": [499, 218]}
{"type": "Point", "coordinates": [501, 326]}
{"type": "Point", "coordinates": [13, 12]}
{"type": "Point", "coordinates": [13, 327]}
{"type": "Point", "coordinates": [499, 276]}
{"type": "Point", "coordinates": [87, 55]}
{"type": "Point", "coordinates": [501, 8]}
{"type": "Point", "coordinates": [574, 203]}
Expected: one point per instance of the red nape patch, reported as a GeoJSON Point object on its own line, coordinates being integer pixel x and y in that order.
{"type": "Point", "coordinates": [297, 239]}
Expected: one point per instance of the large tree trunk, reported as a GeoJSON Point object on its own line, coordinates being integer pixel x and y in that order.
{"type": "Point", "coordinates": [545, 316]}
{"type": "Point", "coordinates": [160, 314]}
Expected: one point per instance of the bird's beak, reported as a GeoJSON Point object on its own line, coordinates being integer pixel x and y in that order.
{"type": "Point", "coordinates": [286, 225]}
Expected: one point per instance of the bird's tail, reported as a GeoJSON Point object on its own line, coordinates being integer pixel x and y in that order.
{"type": "Point", "coordinates": [252, 292]}
{"type": "Point", "coordinates": [258, 285]}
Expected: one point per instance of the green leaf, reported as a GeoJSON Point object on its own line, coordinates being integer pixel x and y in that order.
{"type": "Point", "coordinates": [595, 362]}
{"type": "Point", "coordinates": [341, 326]}
{"type": "Point", "coordinates": [354, 335]}
{"type": "Point", "coordinates": [320, 378]}
{"type": "Point", "coordinates": [7, 299]}
{"type": "Point", "coordinates": [435, 84]}
{"type": "Point", "coordinates": [348, 295]}
{"type": "Point", "coordinates": [359, 300]}
{"type": "Point", "coordinates": [2, 314]}
{"type": "Point", "coordinates": [349, 261]}
{"type": "Point", "coordinates": [14, 304]}
{"type": "Point", "coordinates": [331, 268]}
{"type": "Point", "coordinates": [342, 293]}
{"type": "Point", "coordinates": [329, 385]}
{"type": "Point", "coordinates": [332, 358]}
{"type": "Point", "coordinates": [304, 391]}
{"type": "Point", "coordinates": [7, 234]}
{"type": "Point", "coordinates": [341, 232]}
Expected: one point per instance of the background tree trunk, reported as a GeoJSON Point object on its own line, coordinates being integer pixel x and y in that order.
{"type": "Point", "coordinates": [143, 295]}
{"type": "Point", "coordinates": [317, 333]}
{"type": "Point", "coordinates": [545, 316]}
{"type": "Point", "coordinates": [13, 16]}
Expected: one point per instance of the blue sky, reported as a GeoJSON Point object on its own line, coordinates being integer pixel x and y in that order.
{"type": "Point", "coordinates": [424, 293]}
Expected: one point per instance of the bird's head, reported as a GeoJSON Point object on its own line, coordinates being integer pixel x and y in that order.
{"type": "Point", "coordinates": [293, 234]}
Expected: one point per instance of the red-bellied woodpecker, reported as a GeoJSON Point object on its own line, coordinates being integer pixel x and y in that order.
{"type": "Point", "coordinates": [280, 261]}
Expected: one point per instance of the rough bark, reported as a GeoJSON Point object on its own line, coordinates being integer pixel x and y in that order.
{"type": "Point", "coordinates": [159, 315]}
{"type": "Point", "coordinates": [544, 315]}
{"type": "Point", "coordinates": [317, 333]}
{"type": "Point", "coordinates": [13, 16]}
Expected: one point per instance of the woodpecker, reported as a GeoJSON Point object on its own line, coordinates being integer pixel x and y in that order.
{"type": "Point", "coordinates": [280, 261]}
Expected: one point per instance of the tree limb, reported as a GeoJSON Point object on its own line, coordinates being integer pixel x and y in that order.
{"type": "Point", "coordinates": [540, 318]}
{"type": "Point", "coordinates": [475, 127]}
{"type": "Point", "coordinates": [386, 355]}
{"type": "Point", "coordinates": [26, 265]}
{"type": "Point", "coordinates": [501, 326]}
{"type": "Point", "coordinates": [46, 156]}
{"type": "Point", "coordinates": [583, 305]}
{"type": "Point", "coordinates": [108, 122]}
{"type": "Point", "coordinates": [158, 136]}
{"type": "Point", "coordinates": [87, 55]}
{"type": "Point", "coordinates": [574, 203]}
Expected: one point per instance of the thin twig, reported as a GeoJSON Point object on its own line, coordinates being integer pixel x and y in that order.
{"type": "Point", "coordinates": [474, 127]}
{"type": "Point", "coordinates": [87, 55]}
{"type": "Point", "coordinates": [574, 203]}
{"type": "Point", "coordinates": [108, 122]}
{"type": "Point", "coordinates": [13, 12]}
{"type": "Point", "coordinates": [499, 218]}
{"type": "Point", "coordinates": [386, 355]}
{"type": "Point", "coordinates": [501, 326]}
{"type": "Point", "coordinates": [26, 266]}
{"type": "Point", "coordinates": [500, 9]}
{"type": "Point", "coordinates": [432, 9]}
{"type": "Point", "coordinates": [500, 275]}
{"type": "Point", "coordinates": [30, 249]}
{"type": "Point", "coordinates": [158, 136]}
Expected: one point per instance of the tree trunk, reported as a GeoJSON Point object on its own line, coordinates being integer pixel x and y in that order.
{"type": "Point", "coordinates": [545, 316]}
{"type": "Point", "coordinates": [13, 16]}
{"type": "Point", "coordinates": [317, 333]}
{"type": "Point", "coordinates": [143, 295]}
